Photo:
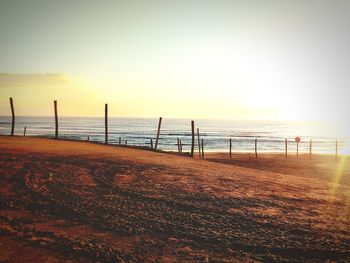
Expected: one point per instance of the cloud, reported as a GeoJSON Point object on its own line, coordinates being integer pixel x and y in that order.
{"type": "Point", "coordinates": [32, 79]}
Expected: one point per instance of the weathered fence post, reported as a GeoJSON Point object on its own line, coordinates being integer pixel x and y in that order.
{"type": "Point", "coordinates": [120, 140]}
{"type": "Point", "coordinates": [56, 119]}
{"type": "Point", "coordinates": [88, 138]}
{"type": "Point", "coordinates": [230, 148]}
{"type": "Point", "coordinates": [106, 123]}
{"type": "Point", "coordinates": [336, 150]}
{"type": "Point", "coordinates": [151, 143]}
{"type": "Point", "coordinates": [192, 143]}
{"type": "Point", "coordinates": [25, 130]}
{"type": "Point", "coordinates": [199, 143]}
{"type": "Point", "coordinates": [13, 117]}
{"type": "Point", "coordinates": [202, 144]}
{"type": "Point", "coordinates": [285, 148]}
{"type": "Point", "coordinates": [256, 148]}
{"type": "Point", "coordinates": [178, 145]}
{"type": "Point", "coordinates": [310, 149]}
{"type": "Point", "coordinates": [126, 142]}
{"type": "Point", "coordinates": [157, 139]}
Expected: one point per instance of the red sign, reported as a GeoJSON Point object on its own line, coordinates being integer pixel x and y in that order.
{"type": "Point", "coordinates": [297, 139]}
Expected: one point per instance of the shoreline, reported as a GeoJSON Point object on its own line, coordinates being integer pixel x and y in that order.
{"type": "Point", "coordinates": [220, 153]}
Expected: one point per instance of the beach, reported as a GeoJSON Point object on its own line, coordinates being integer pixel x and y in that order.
{"type": "Point", "coordinates": [87, 202]}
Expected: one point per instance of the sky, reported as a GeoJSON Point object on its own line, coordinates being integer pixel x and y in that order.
{"type": "Point", "coordinates": [287, 60]}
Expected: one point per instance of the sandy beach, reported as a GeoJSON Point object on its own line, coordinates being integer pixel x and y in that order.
{"type": "Point", "coordinates": [65, 201]}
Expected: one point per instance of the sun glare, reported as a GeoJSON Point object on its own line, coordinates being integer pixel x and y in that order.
{"type": "Point", "coordinates": [340, 168]}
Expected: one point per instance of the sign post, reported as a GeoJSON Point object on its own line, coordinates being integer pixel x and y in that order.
{"type": "Point", "coordinates": [297, 140]}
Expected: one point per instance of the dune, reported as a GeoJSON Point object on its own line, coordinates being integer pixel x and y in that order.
{"type": "Point", "coordinates": [85, 202]}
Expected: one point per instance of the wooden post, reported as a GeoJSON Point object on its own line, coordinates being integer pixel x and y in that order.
{"type": "Point", "coordinates": [13, 117]}
{"type": "Point", "coordinates": [285, 148]}
{"type": "Point", "coordinates": [192, 143]}
{"type": "Point", "coordinates": [230, 148]}
{"type": "Point", "coordinates": [178, 145]}
{"type": "Point", "coordinates": [256, 148]}
{"type": "Point", "coordinates": [88, 138]}
{"type": "Point", "coordinates": [202, 144]}
{"type": "Point", "coordinates": [336, 150]}
{"type": "Point", "coordinates": [157, 139]}
{"type": "Point", "coordinates": [199, 143]}
{"type": "Point", "coordinates": [120, 140]}
{"type": "Point", "coordinates": [56, 119]}
{"type": "Point", "coordinates": [126, 142]}
{"type": "Point", "coordinates": [106, 123]}
{"type": "Point", "coordinates": [151, 143]}
{"type": "Point", "coordinates": [25, 130]}
{"type": "Point", "coordinates": [310, 149]}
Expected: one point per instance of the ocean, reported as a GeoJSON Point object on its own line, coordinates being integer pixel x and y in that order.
{"type": "Point", "coordinates": [270, 135]}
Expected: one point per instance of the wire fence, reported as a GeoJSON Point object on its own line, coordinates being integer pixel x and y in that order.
{"type": "Point", "coordinates": [176, 134]}
{"type": "Point", "coordinates": [246, 136]}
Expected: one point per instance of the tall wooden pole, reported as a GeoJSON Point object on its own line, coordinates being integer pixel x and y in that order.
{"type": "Point", "coordinates": [106, 123]}
{"type": "Point", "coordinates": [202, 144]}
{"type": "Point", "coordinates": [25, 130]}
{"type": "Point", "coordinates": [192, 143]}
{"type": "Point", "coordinates": [151, 143]}
{"type": "Point", "coordinates": [13, 117]}
{"type": "Point", "coordinates": [199, 143]}
{"type": "Point", "coordinates": [178, 145]}
{"type": "Point", "coordinates": [56, 119]}
{"type": "Point", "coordinates": [310, 149]}
{"type": "Point", "coordinates": [230, 148]}
{"type": "Point", "coordinates": [285, 148]}
{"type": "Point", "coordinates": [256, 148]}
{"type": "Point", "coordinates": [120, 140]}
{"type": "Point", "coordinates": [158, 132]}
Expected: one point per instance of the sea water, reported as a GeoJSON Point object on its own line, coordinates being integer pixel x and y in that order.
{"type": "Point", "coordinates": [270, 135]}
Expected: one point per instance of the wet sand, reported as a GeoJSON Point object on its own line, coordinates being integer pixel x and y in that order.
{"type": "Point", "coordinates": [83, 202]}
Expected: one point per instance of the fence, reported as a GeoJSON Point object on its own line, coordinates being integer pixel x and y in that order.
{"type": "Point", "coordinates": [177, 135]}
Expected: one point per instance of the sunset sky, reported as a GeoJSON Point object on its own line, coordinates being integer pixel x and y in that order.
{"type": "Point", "coordinates": [196, 59]}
